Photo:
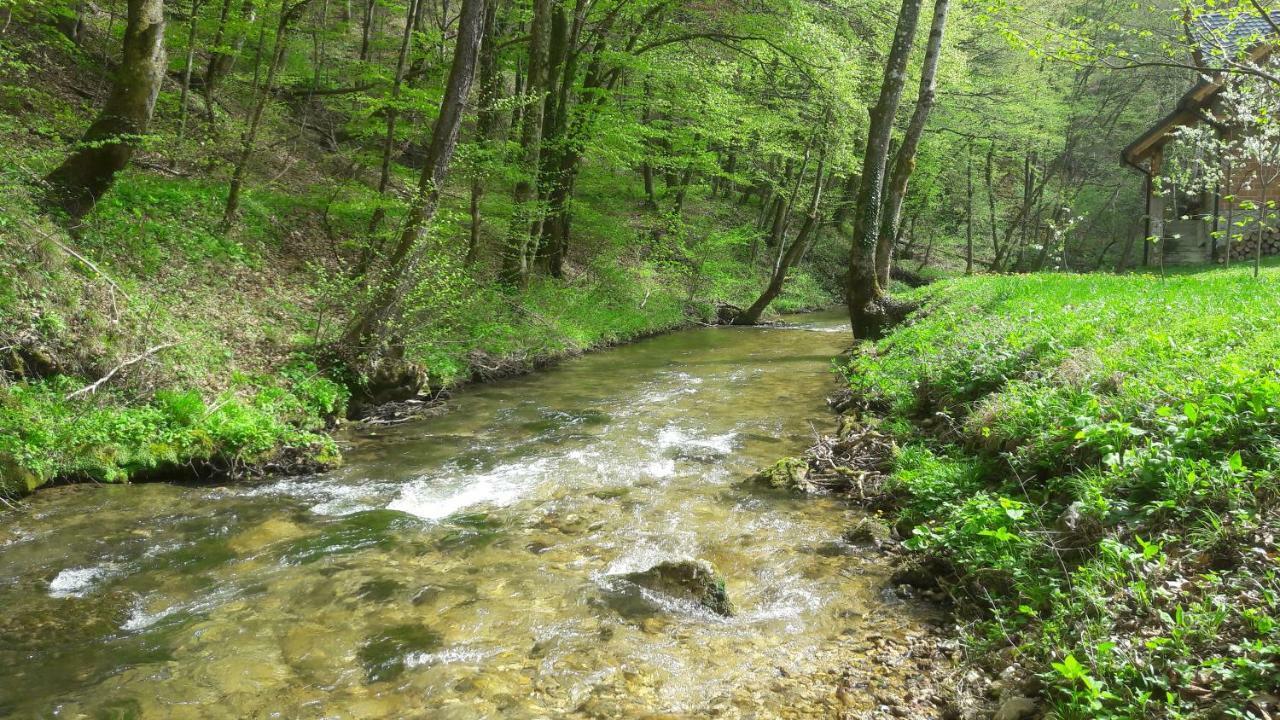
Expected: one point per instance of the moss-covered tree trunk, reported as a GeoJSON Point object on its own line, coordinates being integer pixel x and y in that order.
{"type": "Point", "coordinates": [111, 140]}
{"type": "Point", "coordinates": [904, 164]}
{"type": "Point", "coordinates": [865, 294]}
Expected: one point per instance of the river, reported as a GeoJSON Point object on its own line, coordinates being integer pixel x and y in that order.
{"type": "Point", "coordinates": [467, 565]}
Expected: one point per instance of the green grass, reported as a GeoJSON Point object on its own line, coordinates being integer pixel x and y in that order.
{"type": "Point", "coordinates": [1097, 458]}
{"type": "Point", "coordinates": [113, 438]}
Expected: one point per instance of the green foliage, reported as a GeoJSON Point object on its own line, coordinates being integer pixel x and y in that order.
{"type": "Point", "coordinates": [44, 436]}
{"type": "Point", "coordinates": [1100, 471]}
{"type": "Point", "coordinates": [147, 222]}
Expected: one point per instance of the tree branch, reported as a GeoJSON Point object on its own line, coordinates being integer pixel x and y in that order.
{"type": "Point", "coordinates": [131, 361]}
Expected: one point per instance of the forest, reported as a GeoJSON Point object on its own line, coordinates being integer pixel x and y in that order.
{"type": "Point", "coordinates": [416, 259]}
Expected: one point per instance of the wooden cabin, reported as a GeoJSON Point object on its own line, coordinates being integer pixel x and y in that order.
{"type": "Point", "coordinates": [1189, 225]}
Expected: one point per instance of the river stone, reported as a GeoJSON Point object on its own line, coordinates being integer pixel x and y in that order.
{"type": "Point", "coordinates": [789, 473]}
{"type": "Point", "coordinates": [869, 532]}
{"type": "Point", "coordinates": [265, 533]}
{"type": "Point", "coordinates": [695, 580]}
{"type": "Point", "coordinates": [1016, 708]}
{"type": "Point", "coordinates": [921, 573]}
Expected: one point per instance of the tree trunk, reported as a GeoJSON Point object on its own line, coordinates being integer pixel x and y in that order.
{"type": "Point", "coordinates": [364, 332]}
{"type": "Point", "coordinates": [730, 168]}
{"type": "Point", "coordinates": [798, 247]}
{"type": "Point", "coordinates": [557, 164]}
{"type": "Point", "coordinates": [865, 294]}
{"type": "Point", "coordinates": [780, 228]}
{"type": "Point", "coordinates": [928, 253]}
{"type": "Point", "coordinates": [650, 195]}
{"type": "Point", "coordinates": [682, 191]}
{"type": "Point", "coordinates": [646, 168]}
{"type": "Point", "coordinates": [1231, 214]}
{"type": "Point", "coordinates": [1262, 222]}
{"type": "Point", "coordinates": [991, 200]}
{"type": "Point", "coordinates": [848, 206]}
{"type": "Point", "coordinates": [109, 143]}
{"type": "Point", "coordinates": [968, 213]}
{"type": "Point", "coordinates": [1045, 247]}
{"type": "Point", "coordinates": [222, 62]}
{"type": "Point", "coordinates": [515, 261]}
{"type": "Point", "coordinates": [366, 29]}
{"type": "Point", "coordinates": [186, 76]}
{"type": "Point", "coordinates": [72, 24]}
{"type": "Point", "coordinates": [905, 163]}
{"type": "Point", "coordinates": [486, 121]}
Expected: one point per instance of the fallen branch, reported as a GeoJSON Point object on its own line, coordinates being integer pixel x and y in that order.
{"type": "Point", "coordinates": [132, 361]}
{"type": "Point", "coordinates": [84, 260]}
{"type": "Point", "coordinates": [161, 168]}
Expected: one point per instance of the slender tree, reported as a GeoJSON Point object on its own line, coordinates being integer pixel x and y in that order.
{"type": "Point", "coordinates": [364, 333]}
{"type": "Point", "coordinates": [968, 209]}
{"type": "Point", "coordinates": [248, 142]}
{"type": "Point", "coordinates": [192, 27]}
{"type": "Point", "coordinates": [486, 124]}
{"type": "Point", "coordinates": [794, 251]}
{"type": "Point", "coordinates": [905, 162]}
{"type": "Point", "coordinates": [392, 110]}
{"type": "Point", "coordinates": [228, 41]}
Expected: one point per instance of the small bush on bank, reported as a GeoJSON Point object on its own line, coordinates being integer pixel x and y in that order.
{"type": "Point", "coordinates": [114, 438]}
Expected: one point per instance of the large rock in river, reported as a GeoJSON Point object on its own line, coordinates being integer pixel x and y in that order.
{"type": "Point", "coordinates": [789, 473]}
{"type": "Point", "coordinates": [694, 580]}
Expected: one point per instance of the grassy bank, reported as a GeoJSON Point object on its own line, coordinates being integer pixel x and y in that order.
{"type": "Point", "coordinates": [1090, 464]}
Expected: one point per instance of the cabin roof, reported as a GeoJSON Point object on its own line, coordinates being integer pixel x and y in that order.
{"type": "Point", "coordinates": [1217, 35]}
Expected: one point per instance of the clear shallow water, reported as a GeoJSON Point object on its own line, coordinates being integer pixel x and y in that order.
{"type": "Point", "coordinates": [464, 566]}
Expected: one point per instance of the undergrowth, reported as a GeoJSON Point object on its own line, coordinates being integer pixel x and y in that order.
{"type": "Point", "coordinates": [1096, 460]}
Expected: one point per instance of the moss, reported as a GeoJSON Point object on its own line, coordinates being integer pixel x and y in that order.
{"type": "Point", "coordinates": [386, 654]}
{"type": "Point", "coordinates": [789, 473]}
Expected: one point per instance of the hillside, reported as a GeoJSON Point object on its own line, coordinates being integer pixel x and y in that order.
{"type": "Point", "coordinates": [216, 343]}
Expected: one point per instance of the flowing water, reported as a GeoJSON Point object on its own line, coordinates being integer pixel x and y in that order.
{"type": "Point", "coordinates": [465, 566]}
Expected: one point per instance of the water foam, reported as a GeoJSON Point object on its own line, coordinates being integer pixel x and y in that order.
{"type": "Point", "coordinates": [675, 437]}
{"type": "Point", "coordinates": [429, 500]}
{"type": "Point", "coordinates": [448, 657]}
{"type": "Point", "coordinates": [140, 619]}
{"type": "Point", "coordinates": [330, 498]}
{"type": "Point", "coordinates": [77, 582]}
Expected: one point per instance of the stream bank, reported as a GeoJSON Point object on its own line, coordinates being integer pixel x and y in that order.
{"type": "Point", "coordinates": [1085, 468]}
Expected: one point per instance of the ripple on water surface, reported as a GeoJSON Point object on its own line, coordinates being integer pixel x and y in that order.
{"type": "Point", "coordinates": [466, 566]}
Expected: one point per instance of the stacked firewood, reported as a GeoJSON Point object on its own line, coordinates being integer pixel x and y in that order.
{"type": "Point", "coordinates": [1244, 249]}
